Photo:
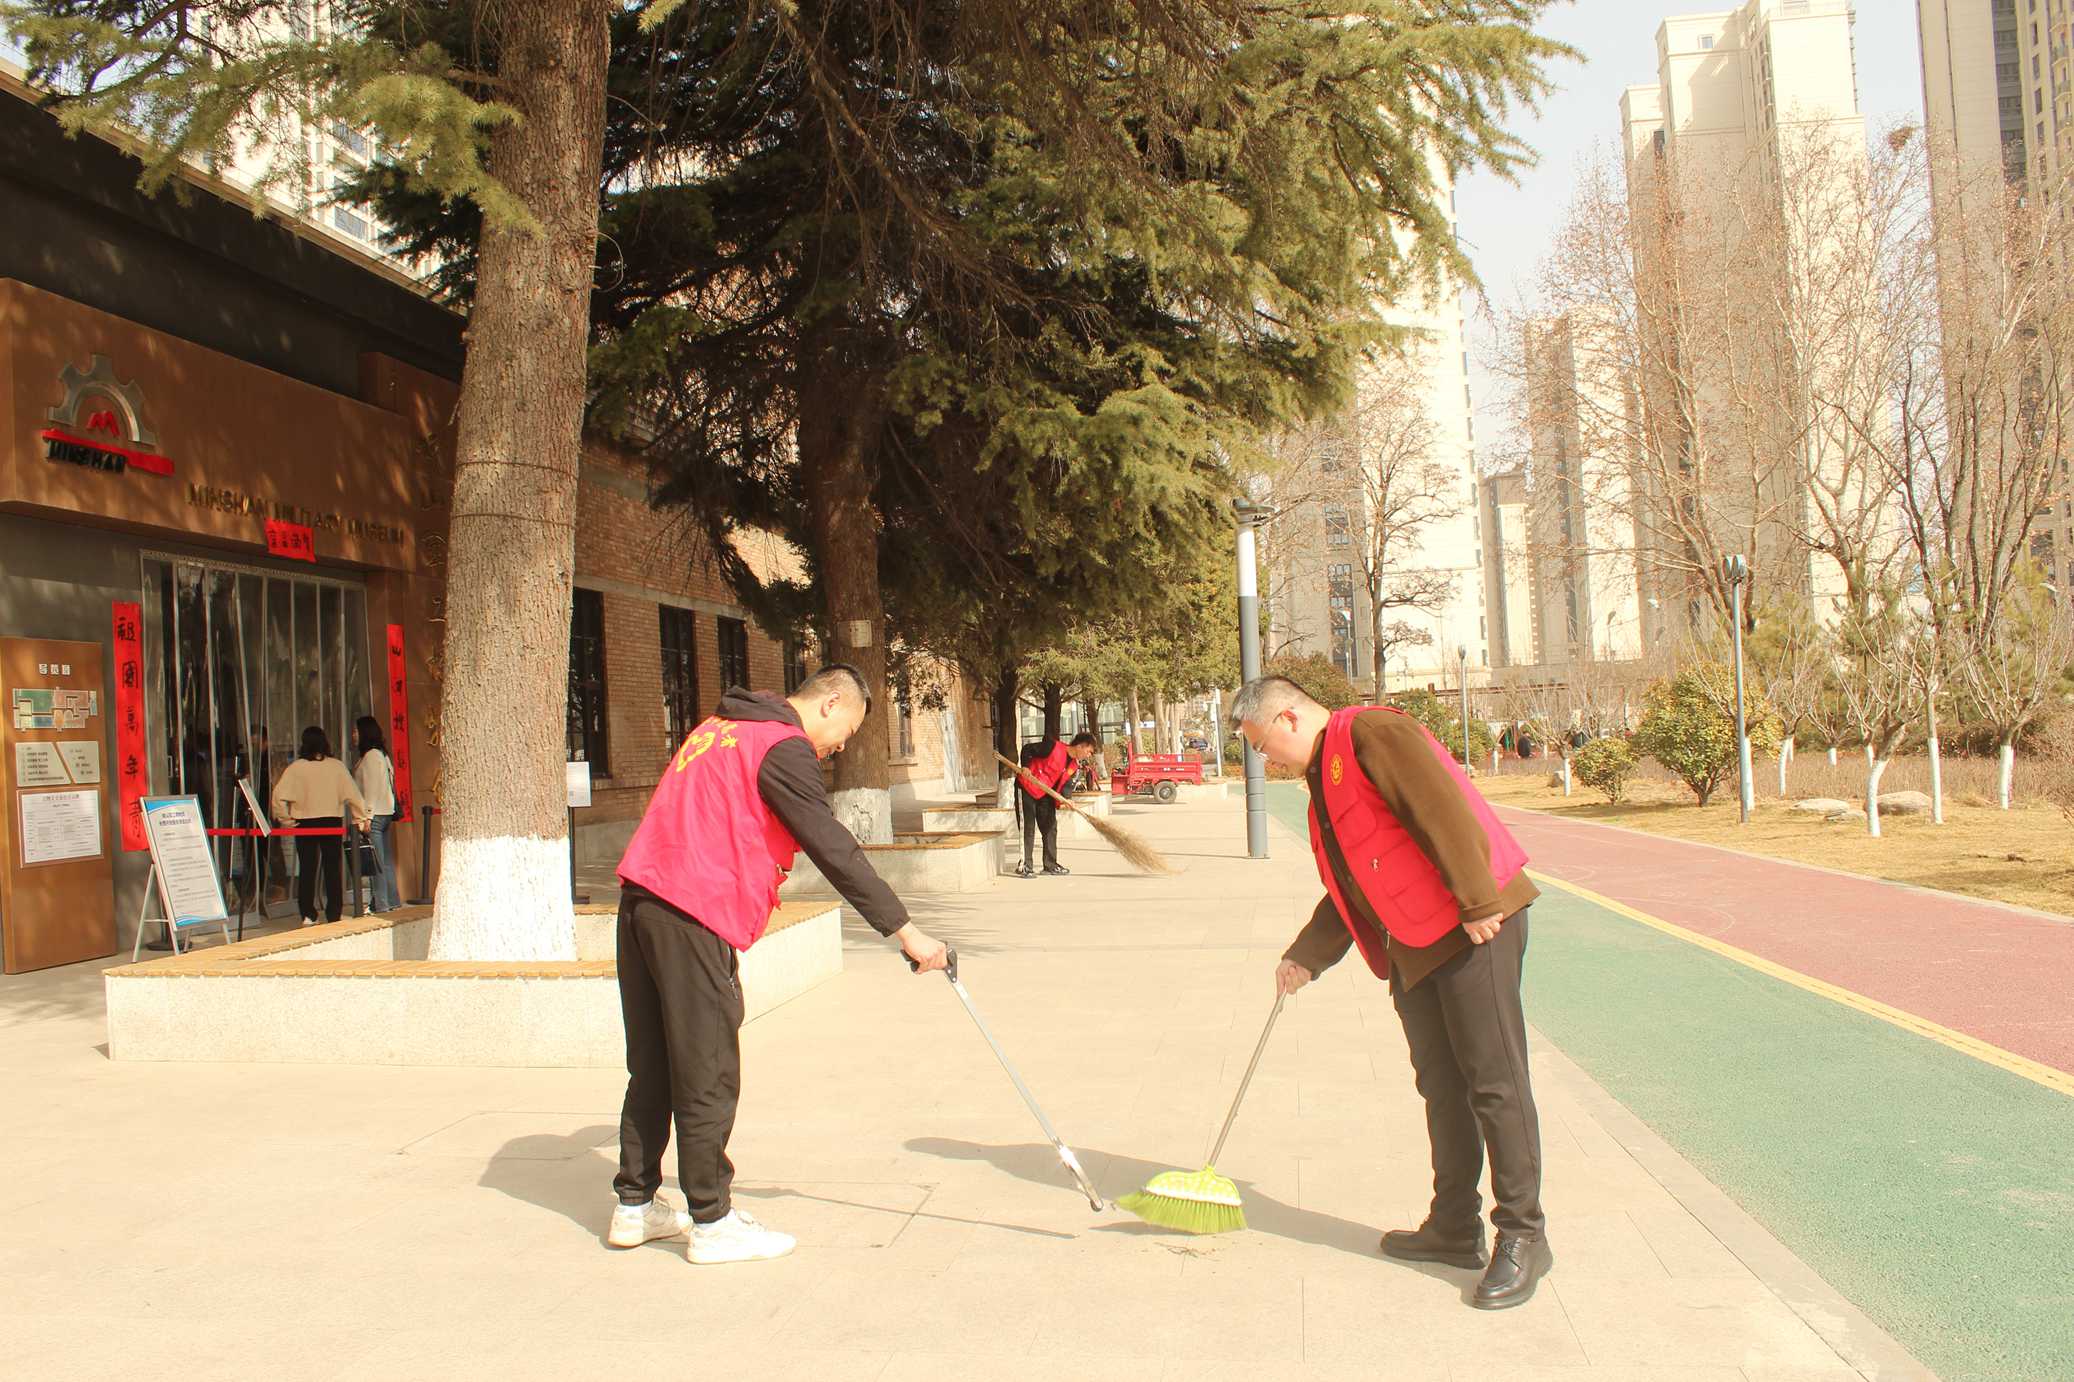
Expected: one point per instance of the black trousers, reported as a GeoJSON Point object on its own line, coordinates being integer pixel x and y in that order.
{"type": "Point", "coordinates": [680, 995]}
{"type": "Point", "coordinates": [1468, 1039]}
{"type": "Point", "coordinates": [320, 852]}
{"type": "Point", "coordinates": [1040, 815]}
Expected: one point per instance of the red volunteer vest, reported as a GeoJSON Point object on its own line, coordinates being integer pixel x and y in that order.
{"type": "Point", "coordinates": [1400, 883]}
{"type": "Point", "coordinates": [1052, 770]}
{"type": "Point", "coordinates": [708, 844]}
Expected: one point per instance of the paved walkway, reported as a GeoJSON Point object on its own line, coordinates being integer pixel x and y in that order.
{"type": "Point", "coordinates": [354, 1222]}
{"type": "Point", "coordinates": [2001, 974]}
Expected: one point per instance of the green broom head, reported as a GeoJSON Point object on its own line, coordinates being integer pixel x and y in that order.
{"type": "Point", "coordinates": [1191, 1201]}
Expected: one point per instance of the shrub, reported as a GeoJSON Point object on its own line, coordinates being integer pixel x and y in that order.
{"type": "Point", "coordinates": [1689, 727]}
{"type": "Point", "coordinates": [1322, 681]}
{"type": "Point", "coordinates": [1443, 718]}
{"type": "Point", "coordinates": [1606, 765]}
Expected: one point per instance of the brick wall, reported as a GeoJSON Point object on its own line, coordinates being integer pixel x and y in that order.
{"type": "Point", "coordinates": [639, 560]}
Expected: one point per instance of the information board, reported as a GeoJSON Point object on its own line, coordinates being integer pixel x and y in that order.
{"type": "Point", "coordinates": [57, 826]}
{"type": "Point", "coordinates": [179, 843]}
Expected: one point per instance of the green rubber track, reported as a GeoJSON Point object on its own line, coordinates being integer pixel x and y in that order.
{"type": "Point", "coordinates": [1933, 1191]}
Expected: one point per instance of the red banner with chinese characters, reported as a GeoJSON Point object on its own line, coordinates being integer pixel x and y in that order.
{"type": "Point", "coordinates": [290, 540]}
{"type": "Point", "coordinates": [399, 724]}
{"type": "Point", "coordinates": [132, 768]}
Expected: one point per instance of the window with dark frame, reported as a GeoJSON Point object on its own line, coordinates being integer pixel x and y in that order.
{"type": "Point", "coordinates": [681, 709]}
{"type": "Point", "coordinates": [734, 653]}
{"type": "Point", "coordinates": [587, 682]}
{"type": "Point", "coordinates": [795, 664]}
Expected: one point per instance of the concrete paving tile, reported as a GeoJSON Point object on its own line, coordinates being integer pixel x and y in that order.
{"type": "Point", "coordinates": [957, 1366]}
{"type": "Point", "coordinates": [1197, 1370]}
{"type": "Point", "coordinates": [1732, 1321]}
{"type": "Point", "coordinates": [1392, 1313]}
{"type": "Point", "coordinates": [1595, 1374]}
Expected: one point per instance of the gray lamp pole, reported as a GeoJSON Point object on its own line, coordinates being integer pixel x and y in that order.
{"type": "Point", "coordinates": [1736, 572]}
{"type": "Point", "coordinates": [1249, 668]}
{"type": "Point", "coordinates": [1462, 674]}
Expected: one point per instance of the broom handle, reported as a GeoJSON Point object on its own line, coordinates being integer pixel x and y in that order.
{"type": "Point", "coordinates": [1022, 774]}
{"type": "Point", "coordinates": [1247, 1079]}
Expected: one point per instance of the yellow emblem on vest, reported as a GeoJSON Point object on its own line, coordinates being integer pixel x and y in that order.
{"type": "Point", "coordinates": [1339, 770]}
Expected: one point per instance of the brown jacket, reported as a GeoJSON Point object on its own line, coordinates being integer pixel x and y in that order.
{"type": "Point", "coordinates": [1418, 790]}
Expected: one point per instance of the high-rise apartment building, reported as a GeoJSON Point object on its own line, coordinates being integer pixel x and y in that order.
{"type": "Point", "coordinates": [1753, 117]}
{"type": "Point", "coordinates": [1316, 584]}
{"type": "Point", "coordinates": [1998, 87]}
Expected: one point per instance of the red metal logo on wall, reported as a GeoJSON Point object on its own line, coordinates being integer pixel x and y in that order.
{"type": "Point", "coordinates": [100, 425]}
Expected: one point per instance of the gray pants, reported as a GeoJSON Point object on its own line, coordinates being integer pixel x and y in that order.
{"type": "Point", "coordinates": [1468, 1039]}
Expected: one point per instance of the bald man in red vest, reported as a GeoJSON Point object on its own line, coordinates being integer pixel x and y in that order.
{"type": "Point", "coordinates": [1424, 880]}
{"type": "Point", "coordinates": [740, 798]}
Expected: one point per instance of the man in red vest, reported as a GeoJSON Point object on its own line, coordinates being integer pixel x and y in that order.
{"type": "Point", "coordinates": [1052, 764]}
{"type": "Point", "coordinates": [1425, 881]}
{"type": "Point", "coordinates": [737, 801]}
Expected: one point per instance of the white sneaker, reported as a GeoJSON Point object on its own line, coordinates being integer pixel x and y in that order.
{"type": "Point", "coordinates": [737, 1238]}
{"type": "Point", "coordinates": [635, 1224]}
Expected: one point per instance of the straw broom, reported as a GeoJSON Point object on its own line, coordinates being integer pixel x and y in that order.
{"type": "Point", "coordinates": [1140, 855]}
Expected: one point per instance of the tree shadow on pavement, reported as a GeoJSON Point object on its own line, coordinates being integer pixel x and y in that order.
{"type": "Point", "coordinates": [1115, 1174]}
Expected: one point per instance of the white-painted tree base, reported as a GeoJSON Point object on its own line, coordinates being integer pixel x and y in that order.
{"type": "Point", "coordinates": [1785, 757]}
{"type": "Point", "coordinates": [1872, 795]}
{"type": "Point", "coordinates": [503, 898]}
{"type": "Point", "coordinates": [1936, 782]}
{"type": "Point", "coordinates": [866, 812]}
{"type": "Point", "coordinates": [2006, 780]}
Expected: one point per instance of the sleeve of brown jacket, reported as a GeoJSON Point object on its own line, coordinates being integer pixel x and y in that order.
{"type": "Point", "coordinates": [1424, 796]}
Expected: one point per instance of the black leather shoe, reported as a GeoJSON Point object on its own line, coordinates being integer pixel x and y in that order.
{"type": "Point", "coordinates": [1463, 1248]}
{"type": "Point", "coordinates": [1056, 871]}
{"type": "Point", "coordinates": [1517, 1265]}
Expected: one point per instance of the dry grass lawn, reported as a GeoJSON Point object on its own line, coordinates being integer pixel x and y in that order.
{"type": "Point", "coordinates": [2024, 855]}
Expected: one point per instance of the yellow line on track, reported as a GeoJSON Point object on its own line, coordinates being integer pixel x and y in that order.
{"type": "Point", "coordinates": [2058, 1081]}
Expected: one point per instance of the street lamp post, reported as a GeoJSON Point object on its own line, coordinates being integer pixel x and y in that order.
{"type": "Point", "coordinates": [1251, 514]}
{"type": "Point", "coordinates": [1736, 572]}
{"type": "Point", "coordinates": [1462, 673]}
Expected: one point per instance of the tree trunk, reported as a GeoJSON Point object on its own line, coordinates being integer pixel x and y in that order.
{"type": "Point", "coordinates": [2005, 779]}
{"type": "Point", "coordinates": [1376, 650]}
{"type": "Point", "coordinates": [504, 876]}
{"type": "Point", "coordinates": [1005, 735]}
{"type": "Point", "coordinates": [1054, 710]}
{"type": "Point", "coordinates": [1136, 747]}
{"type": "Point", "coordinates": [1872, 792]}
{"type": "Point", "coordinates": [1936, 782]}
{"type": "Point", "coordinates": [1785, 757]}
{"type": "Point", "coordinates": [1832, 755]}
{"type": "Point", "coordinates": [842, 405]}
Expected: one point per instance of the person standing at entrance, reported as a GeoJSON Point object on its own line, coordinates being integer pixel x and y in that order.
{"type": "Point", "coordinates": [376, 776]}
{"type": "Point", "coordinates": [740, 798]}
{"type": "Point", "coordinates": [1047, 763]}
{"type": "Point", "coordinates": [1421, 875]}
{"type": "Point", "coordinates": [316, 793]}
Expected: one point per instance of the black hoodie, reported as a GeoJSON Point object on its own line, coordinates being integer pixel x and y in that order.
{"type": "Point", "coordinates": [790, 783]}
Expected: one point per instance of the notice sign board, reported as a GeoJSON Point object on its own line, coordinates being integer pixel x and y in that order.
{"type": "Point", "coordinates": [578, 783]}
{"type": "Point", "coordinates": [187, 884]}
{"type": "Point", "coordinates": [57, 886]}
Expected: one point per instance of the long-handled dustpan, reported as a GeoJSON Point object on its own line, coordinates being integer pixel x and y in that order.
{"type": "Point", "coordinates": [1066, 1157]}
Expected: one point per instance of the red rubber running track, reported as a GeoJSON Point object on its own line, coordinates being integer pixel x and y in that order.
{"type": "Point", "coordinates": [2001, 974]}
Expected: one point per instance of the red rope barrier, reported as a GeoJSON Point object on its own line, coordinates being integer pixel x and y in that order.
{"type": "Point", "coordinates": [332, 831]}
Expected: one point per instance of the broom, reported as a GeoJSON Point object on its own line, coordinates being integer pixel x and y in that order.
{"type": "Point", "coordinates": [1141, 856]}
{"type": "Point", "coordinates": [1201, 1201]}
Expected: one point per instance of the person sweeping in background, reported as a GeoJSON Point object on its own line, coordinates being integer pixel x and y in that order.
{"type": "Point", "coordinates": [1047, 763]}
{"type": "Point", "coordinates": [741, 797]}
{"type": "Point", "coordinates": [1422, 877]}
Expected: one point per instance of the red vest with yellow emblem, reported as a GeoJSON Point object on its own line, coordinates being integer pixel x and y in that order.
{"type": "Point", "coordinates": [1052, 770]}
{"type": "Point", "coordinates": [708, 845]}
{"type": "Point", "coordinates": [1400, 883]}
